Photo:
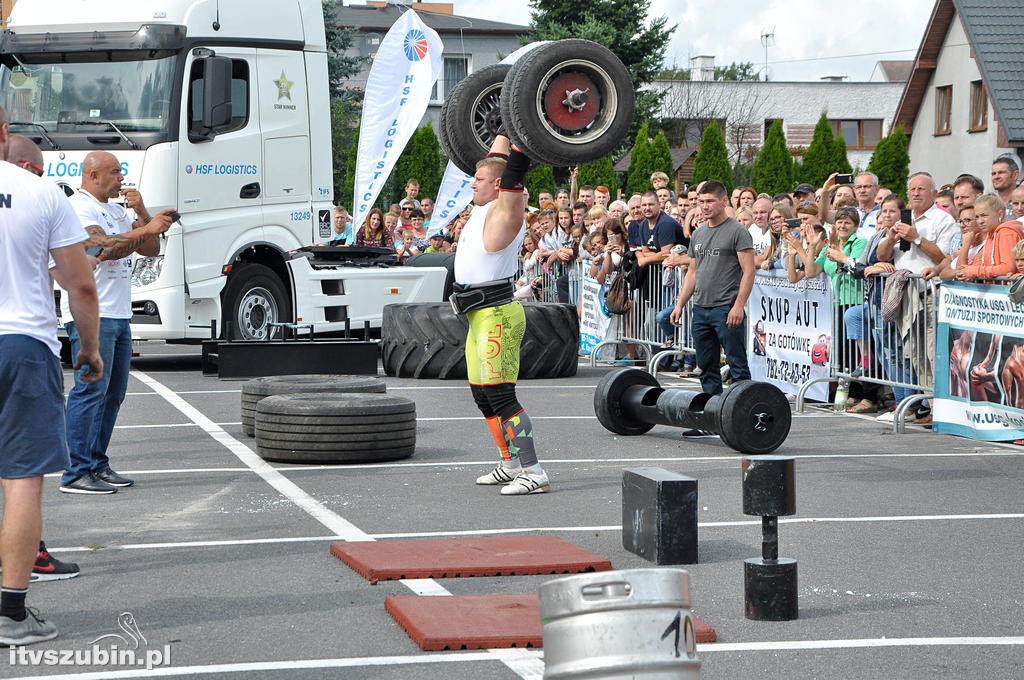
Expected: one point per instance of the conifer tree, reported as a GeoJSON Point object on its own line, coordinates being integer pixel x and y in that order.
{"type": "Point", "coordinates": [641, 163]}
{"type": "Point", "coordinates": [818, 161]}
{"type": "Point", "coordinates": [712, 161]}
{"type": "Point", "coordinates": [891, 161]}
{"type": "Point", "coordinates": [773, 168]}
{"type": "Point", "coordinates": [600, 173]}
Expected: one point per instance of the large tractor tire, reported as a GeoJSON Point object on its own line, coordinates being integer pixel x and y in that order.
{"type": "Point", "coordinates": [335, 428]}
{"type": "Point", "coordinates": [428, 340]}
{"type": "Point", "coordinates": [257, 389]}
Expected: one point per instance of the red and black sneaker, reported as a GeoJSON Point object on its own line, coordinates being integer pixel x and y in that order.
{"type": "Point", "coordinates": [49, 568]}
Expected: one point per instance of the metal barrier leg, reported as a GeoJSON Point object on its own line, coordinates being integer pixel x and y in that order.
{"type": "Point", "coordinates": [802, 392]}
{"type": "Point", "coordinates": [899, 426]}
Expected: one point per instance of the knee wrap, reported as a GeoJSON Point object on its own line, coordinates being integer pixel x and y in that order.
{"type": "Point", "coordinates": [502, 399]}
{"type": "Point", "coordinates": [482, 402]}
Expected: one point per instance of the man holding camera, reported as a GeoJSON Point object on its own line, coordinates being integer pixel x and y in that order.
{"type": "Point", "coordinates": [918, 246]}
{"type": "Point", "coordinates": [113, 237]}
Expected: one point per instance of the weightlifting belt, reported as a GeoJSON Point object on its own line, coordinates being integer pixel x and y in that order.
{"type": "Point", "coordinates": [466, 298]}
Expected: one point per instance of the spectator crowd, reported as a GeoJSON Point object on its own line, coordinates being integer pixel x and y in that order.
{"type": "Point", "coordinates": [850, 229]}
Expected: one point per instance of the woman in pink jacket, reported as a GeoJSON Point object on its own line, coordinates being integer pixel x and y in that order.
{"type": "Point", "coordinates": [996, 255]}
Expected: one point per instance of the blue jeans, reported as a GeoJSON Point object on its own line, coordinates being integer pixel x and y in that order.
{"type": "Point", "coordinates": [889, 349]}
{"type": "Point", "coordinates": [92, 407]}
{"type": "Point", "coordinates": [711, 334]}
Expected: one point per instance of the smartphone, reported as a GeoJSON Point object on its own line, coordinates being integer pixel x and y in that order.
{"type": "Point", "coordinates": [906, 217]}
{"type": "Point", "coordinates": [844, 179]}
{"type": "Point", "coordinates": [793, 222]}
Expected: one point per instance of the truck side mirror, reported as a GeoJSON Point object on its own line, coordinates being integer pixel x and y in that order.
{"type": "Point", "coordinates": [216, 92]}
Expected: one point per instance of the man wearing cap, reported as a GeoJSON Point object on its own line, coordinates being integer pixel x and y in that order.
{"type": "Point", "coordinates": [803, 194]}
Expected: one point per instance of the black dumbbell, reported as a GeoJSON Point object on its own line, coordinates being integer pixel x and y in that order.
{"type": "Point", "coordinates": [751, 417]}
{"type": "Point", "coordinates": [769, 583]}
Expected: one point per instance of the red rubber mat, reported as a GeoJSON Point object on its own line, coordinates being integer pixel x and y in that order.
{"type": "Point", "coordinates": [481, 621]}
{"type": "Point", "coordinates": [460, 557]}
{"type": "Point", "coordinates": [468, 621]}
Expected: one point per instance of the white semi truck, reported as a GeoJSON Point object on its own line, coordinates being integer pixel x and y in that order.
{"type": "Point", "coordinates": [218, 108]}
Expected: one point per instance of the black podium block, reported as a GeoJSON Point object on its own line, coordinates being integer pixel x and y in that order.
{"type": "Point", "coordinates": [659, 515]}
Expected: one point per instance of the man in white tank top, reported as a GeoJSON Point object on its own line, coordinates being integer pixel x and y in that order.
{"type": "Point", "coordinates": [485, 266]}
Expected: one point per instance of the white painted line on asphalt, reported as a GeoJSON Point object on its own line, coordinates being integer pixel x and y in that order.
{"type": "Point", "coordinates": [334, 522]}
{"type": "Point", "coordinates": [154, 394]}
{"type": "Point", "coordinates": [302, 664]}
{"type": "Point", "coordinates": [533, 657]}
{"type": "Point", "coordinates": [794, 645]}
{"type": "Point", "coordinates": [1017, 452]}
{"type": "Point", "coordinates": [532, 530]}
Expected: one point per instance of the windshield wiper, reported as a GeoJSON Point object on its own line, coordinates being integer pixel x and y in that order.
{"type": "Point", "coordinates": [42, 132]}
{"type": "Point", "coordinates": [127, 139]}
{"type": "Point", "coordinates": [116, 129]}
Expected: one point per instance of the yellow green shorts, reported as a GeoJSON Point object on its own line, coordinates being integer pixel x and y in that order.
{"type": "Point", "coordinates": [492, 345]}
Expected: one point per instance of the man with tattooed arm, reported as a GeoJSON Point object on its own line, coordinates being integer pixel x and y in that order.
{"type": "Point", "coordinates": [113, 238]}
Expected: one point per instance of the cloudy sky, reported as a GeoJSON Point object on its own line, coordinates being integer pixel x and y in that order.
{"type": "Point", "coordinates": [813, 39]}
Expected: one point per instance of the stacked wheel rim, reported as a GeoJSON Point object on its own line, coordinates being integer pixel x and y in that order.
{"type": "Point", "coordinates": [335, 428]}
{"type": "Point", "coordinates": [257, 389]}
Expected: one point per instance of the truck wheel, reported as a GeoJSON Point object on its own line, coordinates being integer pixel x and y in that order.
{"type": "Point", "coordinates": [256, 390]}
{"type": "Point", "coordinates": [428, 340]}
{"type": "Point", "coordinates": [253, 299]}
{"type": "Point", "coordinates": [572, 102]}
{"type": "Point", "coordinates": [471, 115]}
{"type": "Point", "coordinates": [332, 428]}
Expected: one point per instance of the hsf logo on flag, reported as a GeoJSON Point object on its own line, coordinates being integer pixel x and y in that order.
{"type": "Point", "coordinates": [403, 73]}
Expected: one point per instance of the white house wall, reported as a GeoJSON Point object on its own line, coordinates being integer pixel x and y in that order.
{"type": "Point", "coordinates": [798, 104]}
{"type": "Point", "coordinates": [946, 156]}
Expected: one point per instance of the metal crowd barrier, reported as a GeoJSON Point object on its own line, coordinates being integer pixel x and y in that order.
{"type": "Point", "coordinates": [900, 354]}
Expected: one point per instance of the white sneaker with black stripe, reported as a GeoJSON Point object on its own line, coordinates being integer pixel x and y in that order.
{"type": "Point", "coordinates": [527, 482]}
{"type": "Point", "coordinates": [499, 475]}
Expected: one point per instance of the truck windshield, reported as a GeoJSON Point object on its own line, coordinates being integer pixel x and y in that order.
{"type": "Point", "coordinates": [84, 97]}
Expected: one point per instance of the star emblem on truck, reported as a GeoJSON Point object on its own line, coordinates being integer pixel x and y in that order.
{"type": "Point", "coordinates": [284, 87]}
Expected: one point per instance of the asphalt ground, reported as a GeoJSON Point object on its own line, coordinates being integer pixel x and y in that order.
{"type": "Point", "coordinates": [908, 545]}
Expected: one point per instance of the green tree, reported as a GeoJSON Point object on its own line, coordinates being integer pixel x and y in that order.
{"type": "Point", "coordinates": [662, 154]}
{"type": "Point", "coordinates": [343, 131]}
{"type": "Point", "coordinates": [641, 163]}
{"type": "Point", "coordinates": [599, 172]}
{"type": "Point", "coordinates": [840, 161]}
{"type": "Point", "coordinates": [345, 102]}
{"type": "Point", "coordinates": [541, 178]}
{"type": "Point", "coordinates": [773, 167]}
{"type": "Point", "coordinates": [712, 161]}
{"type": "Point", "coordinates": [818, 161]}
{"type": "Point", "coordinates": [891, 161]}
{"type": "Point", "coordinates": [340, 68]}
{"type": "Point", "coordinates": [623, 26]}
{"type": "Point", "coordinates": [348, 181]}
{"type": "Point", "coordinates": [421, 159]}
{"type": "Point", "coordinates": [736, 71]}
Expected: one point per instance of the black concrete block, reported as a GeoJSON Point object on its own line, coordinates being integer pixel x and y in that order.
{"type": "Point", "coordinates": [659, 515]}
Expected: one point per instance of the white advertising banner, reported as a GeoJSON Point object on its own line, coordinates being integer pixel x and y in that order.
{"type": "Point", "coordinates": [790, 332]}
{"type": "Point", "coordinates": [597, 324]}
{"type": "Point", "coordinates": [407, 65]}
{"type": "Point", "coordinates": [452, 197]}
{"type": "Point", "coordinates": [979, 363]}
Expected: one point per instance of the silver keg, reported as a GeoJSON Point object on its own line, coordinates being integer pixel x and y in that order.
{"type": "Point", "coordinates": [634, 623]}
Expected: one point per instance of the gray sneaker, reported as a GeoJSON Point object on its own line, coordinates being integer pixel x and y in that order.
{"type": "Point", "coordinates": [499, 475]}
{"type": "Point", "coordinates": [31, 629]}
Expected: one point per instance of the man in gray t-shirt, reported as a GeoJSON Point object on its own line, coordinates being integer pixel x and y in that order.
{"type": "Point", "coordinates": [719, 281]}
